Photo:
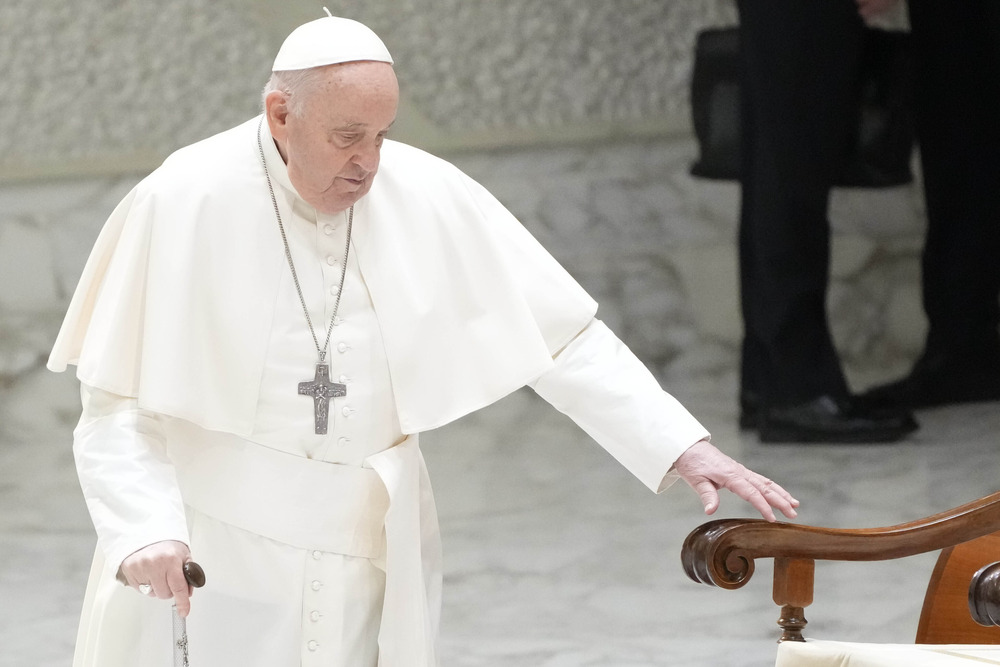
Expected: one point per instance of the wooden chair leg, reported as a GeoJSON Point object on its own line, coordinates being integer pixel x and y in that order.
{"type": "Point", "coordinates": [793, 590]}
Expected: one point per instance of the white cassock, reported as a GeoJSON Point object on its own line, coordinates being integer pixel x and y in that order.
{"type": "Point", "coordinates": [190, 341]}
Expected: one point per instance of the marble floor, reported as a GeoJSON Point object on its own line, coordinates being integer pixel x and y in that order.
{"type": "Point", "coordinates": [554, 555]}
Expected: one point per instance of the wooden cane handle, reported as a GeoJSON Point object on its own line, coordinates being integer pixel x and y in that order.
{"type": "Point", "coordinates": [194, 574]}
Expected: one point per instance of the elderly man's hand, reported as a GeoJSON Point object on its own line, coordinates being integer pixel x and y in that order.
{"type": "Point", "coordinates": [706, 470]}
{"type": "Point", "coordinates": [161, 565]}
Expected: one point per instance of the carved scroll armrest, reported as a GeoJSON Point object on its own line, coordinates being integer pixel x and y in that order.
{"type": "Point", "coordinates": [722, 553]}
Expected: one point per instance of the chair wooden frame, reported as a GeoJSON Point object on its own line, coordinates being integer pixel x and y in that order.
{"type": "Point", "coordinates": [722, 553]}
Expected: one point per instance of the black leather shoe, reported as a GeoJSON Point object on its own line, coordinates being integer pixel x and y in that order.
{"type": "Point", "coordinates": [833, 420]}
{"type": "Point", "coordinates": [938, 380]}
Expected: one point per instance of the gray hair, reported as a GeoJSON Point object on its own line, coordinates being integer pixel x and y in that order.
{"type": "Point", "coordinates": [297, 84]}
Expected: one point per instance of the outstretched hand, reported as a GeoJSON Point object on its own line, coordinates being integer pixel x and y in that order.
{"type": "Point", "coordinates": [706, 470]}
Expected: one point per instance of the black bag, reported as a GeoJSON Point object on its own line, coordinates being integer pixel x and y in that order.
{"type": "Point", "coordinates": [881, 146]}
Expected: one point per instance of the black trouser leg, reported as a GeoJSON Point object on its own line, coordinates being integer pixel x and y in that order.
{"type": "Point", "coordinates": [957, 47]}
{"type": "Point", "coordinates": [800, 62]}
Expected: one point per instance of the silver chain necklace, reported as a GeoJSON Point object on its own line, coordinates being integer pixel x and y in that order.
{"type": "Point", "coordinates": [320, 388]}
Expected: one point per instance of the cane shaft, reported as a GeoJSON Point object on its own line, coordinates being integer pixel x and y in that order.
{"type": "Point", "coordinates": [180, 641]}
{"type": "Point", "coordinates": [196, 577]}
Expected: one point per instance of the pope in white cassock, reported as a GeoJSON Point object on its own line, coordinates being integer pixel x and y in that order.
{"type": "Point", "coordinates": [262, 331]}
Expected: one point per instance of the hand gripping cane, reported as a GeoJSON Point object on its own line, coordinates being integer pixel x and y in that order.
{"type": "Point", "coordinates": [196, 577]}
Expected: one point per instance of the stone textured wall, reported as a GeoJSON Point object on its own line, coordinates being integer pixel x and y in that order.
{"type": "Point", "coordinates": [99, 91]}
{"type": "Point", "coordinates": [529, 64]}
{"type": "Point", "coordinates": [106, 86]}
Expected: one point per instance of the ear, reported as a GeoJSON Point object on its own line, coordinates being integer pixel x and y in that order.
{"type": "Point", "coordinates": [276, 110]}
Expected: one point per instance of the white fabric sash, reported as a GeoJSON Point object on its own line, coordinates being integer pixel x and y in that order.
{"type": "Point", "coordinates": [412, 607]}
{"type": "Point", "coordinates": [335, 508]}
{"type": "Point", "coordinates": [301, 502]}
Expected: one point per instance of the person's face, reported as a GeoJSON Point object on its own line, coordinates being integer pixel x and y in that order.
{"type": "Point", "coordinates": [332, 144]}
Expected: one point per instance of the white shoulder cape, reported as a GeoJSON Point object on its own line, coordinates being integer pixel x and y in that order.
{"type": "Point", "coordinates": [175, 304]}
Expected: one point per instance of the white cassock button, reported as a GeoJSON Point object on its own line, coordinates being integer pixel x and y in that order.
{"type": "Point", "coordinates": [333, 290]}
{"type": "Point", "coordinates": [328, 229]}
{"type": "Point", "coordinates": [317, 555]}
{"type": "Point", "coordinates": [343, 442]}
{"type": "Point", "coordinates": [313, 645]}
{"type": "Point", "coordinates": [347, 411]}
{"type": "Point", "coordinates": [331, 260]}
{"type": "Point", "coordinates": [343, 379]}
{"type": "Point", "coordinates": [342, 347]}
{"type": "Point", "coordinates": [337, 321]}
{"type": "Point", "coordinates": [315, 616]}
{"type": "Point", "coordinates": [316, 585]}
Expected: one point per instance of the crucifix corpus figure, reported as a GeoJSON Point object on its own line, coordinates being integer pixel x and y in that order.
{"type": "Point", "coordinates": [322, 391]}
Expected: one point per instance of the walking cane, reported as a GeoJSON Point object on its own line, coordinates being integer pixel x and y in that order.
{"type": "Point", "coordinates": [196, 577]}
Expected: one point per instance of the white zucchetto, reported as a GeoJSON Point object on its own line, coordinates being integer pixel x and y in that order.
{"type": "Point", "coordinates": [329, 41]}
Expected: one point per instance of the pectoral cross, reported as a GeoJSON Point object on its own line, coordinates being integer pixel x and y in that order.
{"type": "Point", "coordinates": [322, 390]}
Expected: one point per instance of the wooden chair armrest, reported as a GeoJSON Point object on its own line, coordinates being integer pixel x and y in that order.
{"type": "Point", "coordinates": [722, 552]}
